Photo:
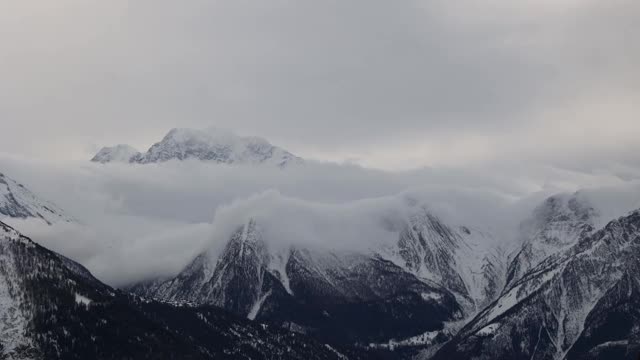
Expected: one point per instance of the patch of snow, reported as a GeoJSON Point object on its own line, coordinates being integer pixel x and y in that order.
{"type": "Point", "coordinates": [257, 306]}
{"type": "Point", "coordinates": [488, 330]}
{"type": "Point", "coordinates": [80, 299]}
{"type": "Point", "coordinates": [424, 339]}
{"type": "Point", "coordinates": [336, 352]}
{"type": "Point", "coordinates": [278, 265]}
{"type": "Point", "coordinates": [431, 296]}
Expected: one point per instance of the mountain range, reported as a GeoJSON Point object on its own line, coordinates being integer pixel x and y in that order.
{"type": "Point", "coordinates": [580, 303]}
{"type": "Point", "coordinates": [440, 290]}
{"type": "Point", "coordinates": [53, 308]}
{"type": "Point", "coordinates": [566, 287]}
{"type": "Point", "coordinates": [210, 145]}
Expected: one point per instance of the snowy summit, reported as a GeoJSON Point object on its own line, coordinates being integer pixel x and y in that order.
{"type": "Point", "coordinates": [118, 153]}
{"type": "Point", "coordinates": [212, 145]}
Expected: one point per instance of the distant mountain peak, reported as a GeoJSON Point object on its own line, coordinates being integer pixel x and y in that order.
{"type": "Point", "coordinates": [119, 153]}
{"type": "Point", "coordinates": [210, 144]}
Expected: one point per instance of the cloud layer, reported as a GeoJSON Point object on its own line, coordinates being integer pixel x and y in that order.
{"type": "Point", "coordinates": [386, 84]}
{"type": "Point", "coordinates": [136, 222]}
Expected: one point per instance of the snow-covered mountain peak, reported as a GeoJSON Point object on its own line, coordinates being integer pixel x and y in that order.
{"type": "Point", "coordinates": [119, 153]}
{"type": "Point", "coordinates": [559, 210]}
{"type": "Point", "coordinates": [211, 145]}
{"type": "Point", "coordinates": [556, 225]}
{"type": "Point", "coordinates": [216, 145]}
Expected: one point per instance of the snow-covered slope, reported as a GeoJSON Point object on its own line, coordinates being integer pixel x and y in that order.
{"type": "Point", "coordinates": [467, 262]}
{"type": "Point", "coordinates": [437, 284]}
{"type": "Point", "coordinates": [212, 145]}
{"type": "Point", "coordinates": [340, 297]}
{"type": "Point", "coordinates": [16, 201]}
{"type": "Point", "coordinates": [118, 153]}
{"type": "Point", "coordinates": [14, 319]}
{"type": "Point", "coordinates": [234, 282]}
{"type": "Point", "coordinates": [556, 225]}
{"type": "Point", "coordinates": [52, 308]}
{"type": "Point", "coordinates": [427, 274]}
{"type": "Point", "coordinates": [581, 303]}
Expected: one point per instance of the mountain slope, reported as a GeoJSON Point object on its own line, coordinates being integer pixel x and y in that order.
{"type": "Point", "coordinates": [16, 201]}
{"type": "Point", "coordinates": [465, 261]}
{"type": "Point", "coordinates": [556, 225]}
{"type": "Point", "coordinates": [343, 298]}
{"type": "Point", "coordinates": [580, 303]}
{"type": "Point", "coordinates": [430, 275]}
{"type": "Point", "coordinates": [52, 308]}
{"type": "Point", "coordinates": [211, 145]}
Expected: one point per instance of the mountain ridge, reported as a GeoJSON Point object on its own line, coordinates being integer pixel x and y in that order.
{"type": "Point", "coordinates": [16, 201]}
{"type": "Point", "coordinates": [210, 145]}
{"type": "Point", "coordinates": [566, 302]}
{"type": "Point", "coordinates": [385, 288]}
{"type": "Point", "coordinates": [471, 277]}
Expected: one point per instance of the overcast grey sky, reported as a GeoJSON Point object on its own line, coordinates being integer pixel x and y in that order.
{"type": "Point", "coordinates": [503, 102]}
{"type": "Point", "coordinates": [388, 84]}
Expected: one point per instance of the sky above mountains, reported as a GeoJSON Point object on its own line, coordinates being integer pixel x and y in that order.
{"type": "Point", "coordinates": [385, 84]}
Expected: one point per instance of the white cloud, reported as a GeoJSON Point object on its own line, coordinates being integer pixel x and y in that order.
{"type": "Point", "coordinates": [122, 249]}
{"type": "Point", "coordinates": [140, 221]}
